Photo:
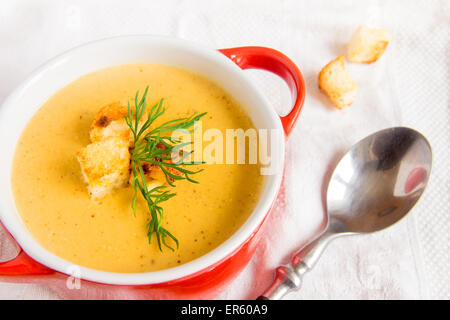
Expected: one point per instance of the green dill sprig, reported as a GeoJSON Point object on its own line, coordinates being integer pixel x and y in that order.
{"type": "Point", "coordinates": [154, 146]}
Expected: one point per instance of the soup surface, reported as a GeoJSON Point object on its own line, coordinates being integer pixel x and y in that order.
{"type": "Point", "coordinates": [104, 234]}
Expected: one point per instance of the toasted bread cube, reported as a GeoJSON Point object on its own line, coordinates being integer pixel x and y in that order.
{"type": "Point", "coordinates": [367, 45]}
{"type": "Point", "coordinates": [335, 81]}
{"type": "Point", "coordinates": [110, 122]}
{"type": "Point", "coordinates": [105, 165]}
{"type": "Point", "coordinates": [154, 175]}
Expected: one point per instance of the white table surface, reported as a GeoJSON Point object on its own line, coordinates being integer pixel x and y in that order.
{"type": "Point", "coordinates": [408, 86]}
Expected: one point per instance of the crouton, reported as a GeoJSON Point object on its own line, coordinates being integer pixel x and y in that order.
{"type": "Point", "coordinates": [336, 83]}
{"type": "Point", "coordinates": [110, 122]}
{"type": "Point", "coordinates": [367, 45]}
{"type": "Point", "coordinates": [105, 165]}
{"type": "Point", "coordinates": [154, 175]}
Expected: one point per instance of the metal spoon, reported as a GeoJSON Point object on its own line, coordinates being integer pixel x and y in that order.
{"type": "Point", "coordinates": [374, 185]}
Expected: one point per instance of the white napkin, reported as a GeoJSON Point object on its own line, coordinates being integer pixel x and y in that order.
{"type": "Point", "coordinates": [408, 86]}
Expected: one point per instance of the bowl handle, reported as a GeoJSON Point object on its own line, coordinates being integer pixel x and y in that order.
{"type": "Point", "coordinates": [275, 62]}
{"type": "Point", "coordinates": [22, 264]}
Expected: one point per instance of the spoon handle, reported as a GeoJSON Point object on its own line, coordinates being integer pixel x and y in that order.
{"type": "Point", "coordinates": [289, 277]}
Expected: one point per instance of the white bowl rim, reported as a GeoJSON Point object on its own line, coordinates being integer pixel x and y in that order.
{"type": "Point", "coordinates": [32, 248]}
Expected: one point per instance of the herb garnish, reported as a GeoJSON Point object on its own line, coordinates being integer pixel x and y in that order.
{"type": "Point", "coordinates": [154, 146]}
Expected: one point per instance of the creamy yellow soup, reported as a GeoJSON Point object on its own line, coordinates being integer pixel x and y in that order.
{"type": "Point", "coordinates": [104, 234]}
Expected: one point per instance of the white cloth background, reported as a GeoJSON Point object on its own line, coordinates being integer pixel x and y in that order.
{"type": "Point", "coordinates": [408, 86]}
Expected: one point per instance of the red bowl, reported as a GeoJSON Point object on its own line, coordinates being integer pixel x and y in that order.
{"type": "Point", "coordinates": [202, 278]}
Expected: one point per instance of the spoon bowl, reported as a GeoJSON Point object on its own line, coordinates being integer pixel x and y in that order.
{"type": "Point", "coordinates": [379, 179]}
{"type": "Point", "coordinates": [374, 185]}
